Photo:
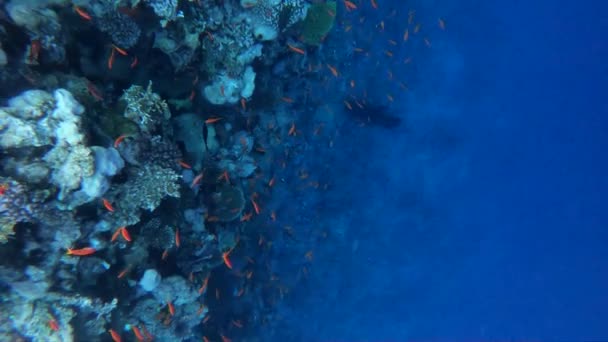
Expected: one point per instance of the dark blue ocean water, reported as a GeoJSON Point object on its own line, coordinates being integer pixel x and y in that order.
{"type": "Point", "coordinates": [484, 216]}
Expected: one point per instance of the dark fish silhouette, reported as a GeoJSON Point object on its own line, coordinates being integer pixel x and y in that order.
{"type": "Point", "coordinates": [205, 134]}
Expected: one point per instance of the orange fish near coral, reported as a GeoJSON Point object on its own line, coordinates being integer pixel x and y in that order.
{"type": "Point", "coordinates": [177, 238]}
{"type": "Point", "coordinates": [82, 13]}
{"type": "Point", "coordinates": [119, 140]}
{"type": "Point", "coordinates": [125, 233]}
{"type": "Point", "coordinates": [137, 333]}
{"type": "Point", "coordinates": [333, 70]}
{"type": "Point", "coordinates": [53, 325]}
{"type": "Point", "coordinates": [296, 49]}
{"type": "Point", "coordinates": [226, 259]}
{"type": "Point", "coordinates": [115, 336]}
{"type": "Point", "coordinates": [81, 251]}
{"type": "Point", "coordinates": [171, 308]}
{"type": "Point", "coordinates": [212, 120]}
{"type": "Point", "coordinates": [107, 205]}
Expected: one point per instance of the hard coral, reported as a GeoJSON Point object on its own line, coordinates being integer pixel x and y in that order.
{"type": "Point", "coordinates": [121, 28]}
{"type": "Point", "coordinates": [14, 207]}
{"type": "Point", "coordinates": [144, 107]}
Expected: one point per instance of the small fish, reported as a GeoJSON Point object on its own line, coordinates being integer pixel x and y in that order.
{"type": "Point", "coordinates": [225, 176]}
{"type": "Point", "coordinates": [205, 135]}
{"type": "Point", "coordinates": [226, 259]}
{"type": "Point", "coordinates": [165, 254]}
{"type": "Point", "coordinates": [271, 182]}
{"type": "Point", "coordinates": [309, 255]}
{"type": "Point", "coordinates": [119, 140]}
{"type": "Point", "coordinates": [333, 70]}
{"type": "Point", "coordinates": [225, 339]}
{"type": "Point", "coordinates": [213, 120]}
{"type": "Point", "coordinates": [197, 179]}
{"type": "Point", "coordinates": [82, 13]}
{"type": "Point", "coordinates": [115, 336]}
{"type": "Point", "coordinates": [352, 83]}
{"type": "Point", "coordinates": [441, 23]}
{"type": "Point", "coordinates": [111, 59]}
{"type": "Point", "coordinates": [184, 164]}
{"type": "Point", "coordinates": [177, 238]}
{"type": "Point", "coordinates": [349, 5]}
{"type": "Point", "coordinates": [171, 308]}
{"type": "Point", "coordinates": [81, 251]}
{"type": "Point", "coordinates": [292, 129]}
{"type": "Point", "coordinates": [246, 217]}
{"type": "Point", "coordinates": [374, 4]}
{"type": "Point", "coordinates": [53, 325]}
{"type": "Point", "coordinates": [192, 95]}
{"type": "Point", "coordinates": [237, 323]}
{"type": "Point", "coordinates": [125, 233]}
{"type": "Point", "coordinates": [107, 205]}
{"type": "Point", "coordinates": [119, 50]}
{"type": "Point", "coordinates": [137, 333]}
{"type": "Point", "coordinates": [94, 91]}
{"type": "Point", "coordinates": [243, 103]}
{"type": "Point", "coordinates": [273, 215]}
{"type": "Point", "coordinates": [287, 99]}
{"type": "Point", "coordinates": [348, 105]}
{"type": "Point", "coordinates": [124, 272]}
{"type": "Point", "coordinates": [296, 49]}
{"type": "Point", "coordinates": [406, 35]}
{"type": "Point", "coordinates": [35, 48]}
{"type": "Point", "coordinates": [204, 285]}
{"type": "Point", "coordinates": [134, 63]}
{"type": "Point", "coordinates": [427, 42]}
{"type": "Point", "coordinates": [255, 206]}
{"type": "Point", "coordinates": [115, 235]}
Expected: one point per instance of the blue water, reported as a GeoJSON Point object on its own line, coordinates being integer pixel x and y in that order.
{"type": "Point", "coordinates": [484, 216]}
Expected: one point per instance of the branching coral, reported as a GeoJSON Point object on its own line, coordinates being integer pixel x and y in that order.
{"type": "Point", "coordinates": [144, 190]}
{"type": "Point", "coordinates": [145, 107]}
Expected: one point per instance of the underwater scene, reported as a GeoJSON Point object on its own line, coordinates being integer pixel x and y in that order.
{"type": "Point", "coordinates": [303, 170]}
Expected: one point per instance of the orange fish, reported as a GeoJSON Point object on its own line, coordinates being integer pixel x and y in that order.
{"type": "Point", "coordinates": [204, 285]}
{"type": "Point", "coordinates": [35, 48]}
{"type": "Point", "coordinates": [273, 215]}
{"type": "Point", "coordinates": [137, 333]}
{"type": "Point", "coordinates": [225, 176]}
{"type": "Point", "coordinates": [271, 182]}
{"type": "Point", "coordinates": [246, 217]}
{"type": "Point", "coordinates": [184, 164]}
{"type": "Point", "coordinates": [352, 83]}
{"type": "Point", "coordinates": [292, 129]}
{"type": "Point", "coordinates": [134, 63]}
{"type": "Point", "coordinates": [125, 233]}
{"type": "Point", "coordinates": [255, 206]}
{"type": "Point", "coordinates": [333, 70]}
{"type": "Point", "coordinates": [225, 339]}
{"type": "Point", "coordinates": [296, 49]}
{"type": "Point", "coordinates": [212, 120]}
{"type": "Point", "coordinates": [115, 336]}
{"type": "Point", "coordinates": [53, 325]}
{"type": "Point", "coordinates": [119, 140]}
{"type": "Point", "coordinates": [165, 254]}
{"type": "Point", "coordinates": [374, 4]}
{"type": "Point", "coordinates": [237, 323]}
{"type": "Point", "coordinates": [406, 35]}
{"type": "Point", "coordinates": [177, 239]}
{"type": "Point", "coordinates": [94, 91]}
{"type": "Point", "coordinates": [115, 235]}
{"type": "Point", "coordinates": [197, 180]}
{"type": "Point", "coordinates": [348, 105]}
{"type": "Point", "coordinates": [287, 99]}
{"type": "Point", "coordinates": [119, 50]}
{"type": "Point", "coordinates": [111, 60]}
{"type": "Point", "coordinates": [107, 205]}
{"type": "Point", "coordinates": [82, 13]}
{"type": "Point", "coordinates": [124, 272]}
{"type": "Point", "coordinates": [81, 251]}
{"type": "Point", "coordinates": [441, 23]}
{"type": "Point", "coordinates": [171, 308]}
{"type": "Point", "coordinates": [226, 259]}
{"type": "Point", "coordinates": [192, 95]}
{"type": "Point", "coordinates": [243, 103]}
{"type": "Point", "coordinates": [349, 5]}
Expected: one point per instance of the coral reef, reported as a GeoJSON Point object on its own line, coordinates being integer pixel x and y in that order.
{"type": "Point", "coordinates": [319, 21]}
{"type": "Point", "coordinates": [144, 107]}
